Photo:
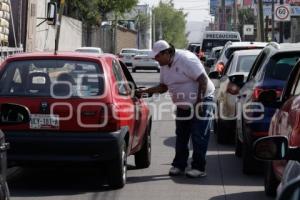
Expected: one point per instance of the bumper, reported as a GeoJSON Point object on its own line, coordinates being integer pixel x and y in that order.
{"type": "Point", "coordinates": [30, 147]}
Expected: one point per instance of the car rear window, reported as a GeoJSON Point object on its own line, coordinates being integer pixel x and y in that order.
{"type": "Point", "coordinates": [146, 53]}
{"type": "Point", "coordinates": [128, 51]}
{"type": "Point", "coordinates": [245, 63]}
{"type": "Point", "coordinates": [231, 50]}
{"type": "Point", "coordinates": [280, 67]}
{"type": "Point", "coordinates": [88, 50]}
{"type": "Point", "coordinates": [207, 45]}
{"type": "Point", "coordinates": [52, 78]}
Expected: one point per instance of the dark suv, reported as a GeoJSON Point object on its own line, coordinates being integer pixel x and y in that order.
{"type": "Point", "coordinates": [270, 71]}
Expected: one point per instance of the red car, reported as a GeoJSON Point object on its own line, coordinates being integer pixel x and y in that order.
{"type": "Point", "coordinates": [83, 109]}
{"type": "Point", "coordinates": [285, 122]}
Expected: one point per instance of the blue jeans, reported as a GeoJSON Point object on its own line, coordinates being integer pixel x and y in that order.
{"type": "Point", "coordinates": [196, 128]}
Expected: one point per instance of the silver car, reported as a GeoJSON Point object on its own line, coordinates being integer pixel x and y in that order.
{"type": "Point", "coordinates": [239, 63]}
{"type": "Point", "coordinates": [126, 55]}
{"type": "Point", "coordinates": [143, 60]}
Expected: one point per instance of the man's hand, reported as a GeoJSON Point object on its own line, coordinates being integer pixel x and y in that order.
{"type": "Point", "coordinates": [145, 93]}
{"type": "Point", "coordinates": [142, 93]}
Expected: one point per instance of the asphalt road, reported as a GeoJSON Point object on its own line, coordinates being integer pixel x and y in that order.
{"type": "Point", "coordinates": [224, 181]}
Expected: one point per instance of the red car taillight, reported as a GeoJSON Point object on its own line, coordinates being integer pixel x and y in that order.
{"type": "Point", "coordinates": [201, 54]}
{"type": "Point", "coordinates": [233, 89]}
{"type": "Point", "coordinates": [220, 67]}
{"type": "Point", "coordinates": [111, 117]}
{"type": "Point", "coordinates": [257, 91]}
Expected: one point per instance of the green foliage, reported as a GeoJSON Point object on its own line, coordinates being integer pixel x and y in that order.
{"type": "Point", "coordinates": [143, 22]}
{"type": "Point", "coordinates": [173, 24]}
{"type": "Point", "coordinates": [245, 16]}
{"type": "Point", "coordinates": [93, 12]}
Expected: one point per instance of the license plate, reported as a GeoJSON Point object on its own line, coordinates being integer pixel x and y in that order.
{"type": "Point", "coordinates": [146, 59]}
{"type": "Point", "coordinates": [127, 57]}
{"type": "Point", "coordinates": [44, 121]}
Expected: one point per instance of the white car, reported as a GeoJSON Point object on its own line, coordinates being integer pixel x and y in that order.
{"type": "Point", "coordinates": [126, 55]}
{"type": "Point", "coordinates": [143, 60]}
{"type": "Point", "coordinates": [231, 47]}
{"type": "Point", "coordinates": [96, 50]}
{"type": "Point", "coordinates": [239, 63]}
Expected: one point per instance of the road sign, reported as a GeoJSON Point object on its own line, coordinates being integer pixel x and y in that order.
{"type": "Point", "coordinates": [248, 29]}
{"type": "Point", "coordinates": [282, 12]}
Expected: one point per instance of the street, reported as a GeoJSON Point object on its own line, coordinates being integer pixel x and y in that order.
{"type": "Point", "coordinates": [224, 181]}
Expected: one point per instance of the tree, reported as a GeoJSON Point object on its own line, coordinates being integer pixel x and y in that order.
{"type": "Point", "coordinates": [245, 16]}
{"type": "Point", "coordinates": [92, 12]}
{"type": "Point", "coordinates": [172, 22]}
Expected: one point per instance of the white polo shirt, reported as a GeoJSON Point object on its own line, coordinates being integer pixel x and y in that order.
{"type": "Point", "coordinates": [181, 78]}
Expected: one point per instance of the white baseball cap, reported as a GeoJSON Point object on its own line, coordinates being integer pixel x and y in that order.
{"type": "Point", "coordinates": [159, 46]}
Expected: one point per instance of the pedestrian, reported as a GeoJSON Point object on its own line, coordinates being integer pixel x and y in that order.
{"type": "Point", "coordinates": [183, 75]}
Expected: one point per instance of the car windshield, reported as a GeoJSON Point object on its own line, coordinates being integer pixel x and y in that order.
{"type": "Point", "coordinates": [52, 78]}
{"type": "Point", "coordinates": [245, 63]}
{"type": "Point", "coordinates": [279, 67]}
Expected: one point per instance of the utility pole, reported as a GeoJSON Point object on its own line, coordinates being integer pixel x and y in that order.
{"type": "Point", "coordinates": [267, 29]}
{"type": "Point", "coordinates": [160, 31]}
{"type": "Point", "coordinates": [281, 28]}
{"type": "Point", "coordinates": [223, 15]}
{"type": "Point", "coordinates": [273, 21]}
{"type": "Point", "coordinates": [235, 16]}
{"type": "Point", "coordinates": [61, 10]}
{"type": "Point", "coordinates": [153, 28]}
{"type": "Point", "coordinates": [261, 20]}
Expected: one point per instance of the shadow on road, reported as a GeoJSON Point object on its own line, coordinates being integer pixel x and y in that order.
{"type": "Point", "coordinates": [242, 195]}
{"type": "Point", "coordinates": [51, 182]}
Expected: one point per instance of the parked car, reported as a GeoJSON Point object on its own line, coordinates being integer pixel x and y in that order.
{"type": "Point", "coordinates": [277, 148]}
{"type": "Point", "coordinates": [231, 47]}
{"type": "Point", "coordinates": [212, 58]}
{"type": "Point", "coordinates": [270, 71]}
{"type": "Point", "coordinates": [10, 115]}
{"type": "Point", "coordinates": [240, 62]}
{"type": "Point", "coordinates": [284, 123]}
{"type": "Point", "coordinates": [126, 55]}
{"type": "Point", "coordinates": [83, 110]}
{"type": "Point", "coordinates": [96, 50]}
{"type": "Point", "coordinates": [143, 60]}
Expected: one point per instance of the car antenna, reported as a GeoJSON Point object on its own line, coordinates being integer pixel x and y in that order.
{"type": "Point", "coordinates": [61, 9]}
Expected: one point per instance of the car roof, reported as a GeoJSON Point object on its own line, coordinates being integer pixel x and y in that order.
{"type": "Point", "coordinates": [129, 49]}
{"type": "Point", "coordinates": [247, 52]}
{"type": "Point", "coordinates": [59, 55]}
{"type": "Point", "coordinates": [245, 44]}
{"type": "Point", "coordinates": [96, 48]}
{"type": "Point", "coordinates": [284, 47]}
{"type": "Point", "coordinates": [217, 48]}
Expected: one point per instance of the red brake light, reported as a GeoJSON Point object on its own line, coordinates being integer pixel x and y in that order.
{"type": "Point", "coordinates": [112, 118]}
{"type": "Point", "coordinates": [233, 89]}
{"type": "Point", "coordinates": [257, 91]}
{"type": "Point", "coordinates": [220, 67]}
{"type": "Point", "coordinates": [201, 54]}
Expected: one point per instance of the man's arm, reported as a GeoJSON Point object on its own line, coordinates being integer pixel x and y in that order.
{"type": "Point", "coordinates": [161, 88]}
{"type": "Point", "coordinates": [202, 80]}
